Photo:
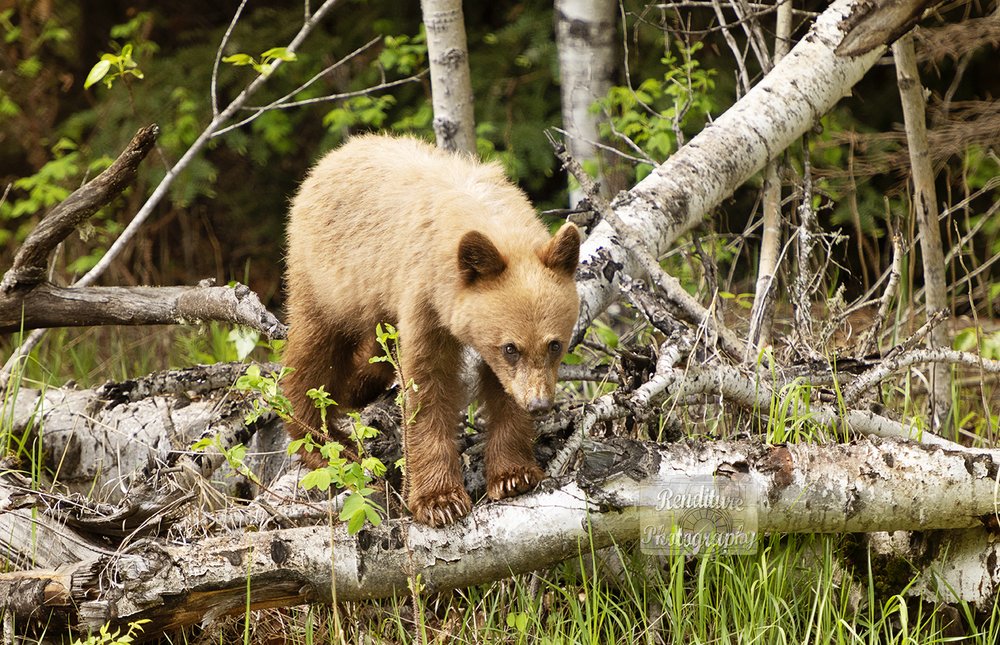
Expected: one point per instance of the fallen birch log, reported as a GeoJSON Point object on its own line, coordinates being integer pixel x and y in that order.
{"type": "Point", "coordinates": [870, 485]}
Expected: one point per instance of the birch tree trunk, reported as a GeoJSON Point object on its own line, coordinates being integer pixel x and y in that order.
{"type": "Point", "coordinates": [784, 105]}
{"type": "Point", "coordinates": [911, 94]}
{"type": "Point", "coordinates": [585, 31]}
{"type": "Point", "coordinates": [451, 86]}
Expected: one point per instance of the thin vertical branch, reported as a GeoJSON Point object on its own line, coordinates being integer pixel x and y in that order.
{"type": "Point", "coordinates": [911, 94]}
{"type": "Point", "coordinates": [805, 241]}
{"type": "Point", "coordinates": [762, 312]}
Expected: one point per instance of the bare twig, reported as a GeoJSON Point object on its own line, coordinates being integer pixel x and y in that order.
{"type": "Point", "coordinates": [680, 301]}
{"type": "Point", "coordinates": [742, 77]}
{"type": "Point", "coordinates": [219, 51]}
{"type": "Point", "coordinates": [940, 355]}
{"type": "Point", "coordinates": [318, 99]}
{"type": "Point", "coordinates": [925, 209]}
{"type": "Point", "coordinates": [762, 311]}
{"type": "Point", "coordinates": [161, 190]}
{"type": "Point", "coordinates": [870, 342]}
{"type": "Point", "coordinates": [802, 291]}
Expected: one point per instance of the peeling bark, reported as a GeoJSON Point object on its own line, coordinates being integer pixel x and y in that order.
{"type": "Point", "coordinates": [864, 486]}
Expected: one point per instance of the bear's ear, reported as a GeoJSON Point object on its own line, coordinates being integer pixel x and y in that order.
{"type": "Point", "coordinates": [562, 253]}
{"type": "Point", "coordinates": [478, 258]}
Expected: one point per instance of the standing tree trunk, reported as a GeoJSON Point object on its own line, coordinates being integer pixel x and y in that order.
{"type": "Point", "coordinates": [451, 86]}
{"type": "Point", "coordinates": [911, 93]}
{"type": "Point", "coordinates": [585, 31]}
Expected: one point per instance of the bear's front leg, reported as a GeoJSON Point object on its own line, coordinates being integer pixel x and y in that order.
{"type": "Point", "coordinates": [431, 359]}
{"type": "Point", "coordinates": [511, 468]}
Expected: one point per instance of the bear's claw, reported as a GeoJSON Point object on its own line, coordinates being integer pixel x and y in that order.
{"type": "Point", "coordinates": [441, 509]}
{"type": "Point", "coordinates": [514, 482]}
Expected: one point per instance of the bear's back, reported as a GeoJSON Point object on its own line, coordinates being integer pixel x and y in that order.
{"type": "Point", "coordinates": [381, 218]}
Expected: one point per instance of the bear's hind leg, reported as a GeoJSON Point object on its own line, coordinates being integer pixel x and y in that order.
{"type": "Point", "coordinates": [320, 356]}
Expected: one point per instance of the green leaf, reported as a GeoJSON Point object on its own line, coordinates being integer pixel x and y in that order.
{"type": "Point", "coordinates": [356, 522]}
{"type": "Point", "coordinates": [352, 505]}
{"type": "Point", "coordinates": [280, 53]}
{"type": "Point", "coordinates": [372, 515]}
{"type": "Point", "coordinates": [571, 359]}
{"type": "Point", "coordinates": [319, 478]}
{"type": "Point", "coordinates": [97, 72]}
{"type": "Point", "coordinates": [238, 59]}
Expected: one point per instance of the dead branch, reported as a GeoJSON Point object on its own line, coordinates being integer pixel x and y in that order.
{"type": "Point", "coordinates": [30, 263]}
{"type": "Point", "coordinates": [679, 193]}
{"type": "Point", "coordinates": [880, 23]}
{"type": "Point", "coordinates": [925, 208]}
{"type": "Point", "coordinates": [765, 294]}
{"type": "Point", "coordinates": [870, 342]}
{"type": "Point", "coordinates": [679, 302]}
{"type": "Point", "coordinates": [939, 355]}
{"type": "Point", "coordinates": [47, 305]}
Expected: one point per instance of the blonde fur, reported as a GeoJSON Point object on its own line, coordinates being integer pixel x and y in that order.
{"type": "Point", "coordinates": [387, 229]}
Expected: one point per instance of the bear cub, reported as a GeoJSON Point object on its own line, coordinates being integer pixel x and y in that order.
{"type": "Point", "coordinates": [444, 247]}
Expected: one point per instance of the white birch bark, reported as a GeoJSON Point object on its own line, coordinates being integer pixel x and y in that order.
{"type": "Point", "coordinates": [911, 94]}
{"type": "Point", "coordinates": [679, 192]}
{"type": "Point", "coordinates": [963, 567]}
{"type": "Point", "coordinates": [585, 31]}
{"type": "Point", "coordinates": [865, 486]}
{"type": "Point", "coordinates": [451, 86]}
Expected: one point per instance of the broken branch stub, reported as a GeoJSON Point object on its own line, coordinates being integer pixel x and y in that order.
{"type": "Point", "coordinates": [30, 261]}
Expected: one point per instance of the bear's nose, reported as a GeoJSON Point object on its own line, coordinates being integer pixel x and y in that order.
{"type": "Point", "coordinates": [538, 405]}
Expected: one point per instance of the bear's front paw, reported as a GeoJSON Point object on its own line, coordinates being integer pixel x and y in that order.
{"type": "Point", "coordinates": [513, 481]}
{"type": "Point", "coordinates": [440, 509]}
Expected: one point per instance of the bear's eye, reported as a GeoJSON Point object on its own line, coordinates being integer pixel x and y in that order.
{"type": "Point", "coordinates": [555, 347]}
{"type": "Point", "coordinates": [510, 352]}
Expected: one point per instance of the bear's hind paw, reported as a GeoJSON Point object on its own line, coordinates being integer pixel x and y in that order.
{"type": "Point", "coordinates": [514, 481]}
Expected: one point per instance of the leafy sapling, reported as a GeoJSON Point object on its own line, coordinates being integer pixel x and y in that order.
{"type": "Point", "coordinates": [351, 474]}
{"type": "Point", "coordinates": [114, 66]}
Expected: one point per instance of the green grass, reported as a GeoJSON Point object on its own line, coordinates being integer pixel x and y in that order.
{"type": "Point", "coordinates": [795, 589]}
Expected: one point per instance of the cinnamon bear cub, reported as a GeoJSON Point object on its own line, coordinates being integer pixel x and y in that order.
{"type": "Point", "coordinates": [393, 230]}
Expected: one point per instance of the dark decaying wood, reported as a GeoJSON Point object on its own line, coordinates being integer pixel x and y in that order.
{"type": "Point", "coordinates": [29, 264]}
